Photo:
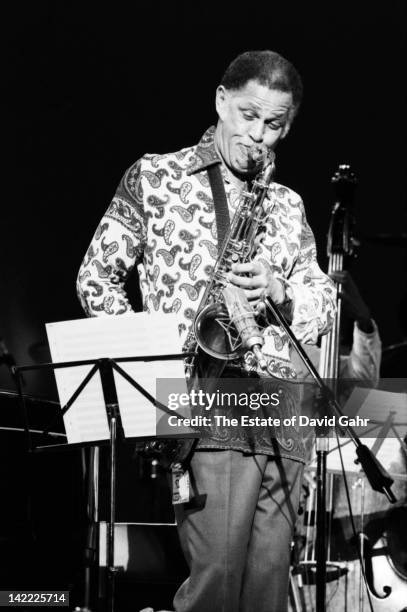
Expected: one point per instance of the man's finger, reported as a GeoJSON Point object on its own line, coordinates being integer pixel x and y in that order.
{"type": "Point", "coordinates": [254, 294]}
{"type": "Point", "coordinates": [247, 268]}
{"type": "Point", "coordinates": [247, 282]}
{"type": "Point", "coordinates": [240, 281]}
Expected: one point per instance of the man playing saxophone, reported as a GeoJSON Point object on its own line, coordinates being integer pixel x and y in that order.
{"type": "Point", "coordinates": [237, 528]}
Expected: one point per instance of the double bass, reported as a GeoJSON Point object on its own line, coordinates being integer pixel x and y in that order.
{"type": "Point", "coordinates": [382, 541]}
{"type": "Point", "coordinates": [341, 246]}
{"type": "Point", "coordinates": [382, 538]}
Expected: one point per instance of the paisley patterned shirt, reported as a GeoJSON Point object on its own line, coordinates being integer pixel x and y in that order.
{"type": "Point", "coordinates": [162, 220]}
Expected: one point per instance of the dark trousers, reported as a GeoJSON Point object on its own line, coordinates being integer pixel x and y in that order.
{"type": "Point", "coordinates": [236, 532]}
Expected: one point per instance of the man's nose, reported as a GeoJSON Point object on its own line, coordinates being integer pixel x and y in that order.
{"type": "Point", "coordinates": [256, 131]}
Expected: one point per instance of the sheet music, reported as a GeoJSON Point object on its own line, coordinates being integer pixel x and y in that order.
{"type": "Point", "coordinates": [376, 405]}
{"type": "Point", "coordinates": [389, 454]}
{"type": "Point", "coordinates": [129, 335]}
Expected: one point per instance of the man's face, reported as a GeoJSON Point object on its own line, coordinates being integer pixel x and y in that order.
{"type": "Point", "coordinates": [252, 115]}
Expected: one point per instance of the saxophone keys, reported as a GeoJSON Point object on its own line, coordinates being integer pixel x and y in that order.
{"type": "Point", "coordinates": [260, 358]}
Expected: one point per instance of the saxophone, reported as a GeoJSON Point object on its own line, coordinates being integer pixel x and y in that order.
{"type": "Point", "coordinates": [225, 326]}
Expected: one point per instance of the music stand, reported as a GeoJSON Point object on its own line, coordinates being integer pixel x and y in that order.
{"type": "Point", "coordinates": [105, 367]}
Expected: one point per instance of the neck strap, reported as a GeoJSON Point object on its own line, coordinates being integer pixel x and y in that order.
{"type": "Point", "coordinates": [220, 202]}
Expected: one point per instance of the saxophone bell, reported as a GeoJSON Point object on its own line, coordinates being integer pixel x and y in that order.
{"type": "Point", "coordinates": [213, 333]}
{"type": "Point", "coordinates": [228, 329]}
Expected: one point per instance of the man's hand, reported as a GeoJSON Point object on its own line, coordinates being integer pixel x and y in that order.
{"type": "Point", "coordinates": [258, 281]}
{"type": "Point", "coordinates": [353, 301]}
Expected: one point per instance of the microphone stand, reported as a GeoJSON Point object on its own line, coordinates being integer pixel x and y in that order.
{"type": "Point", "coordinates": [378, 477]}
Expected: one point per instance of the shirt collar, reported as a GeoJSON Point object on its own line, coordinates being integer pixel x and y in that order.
{"type": "Point", "coordinates": [205, 153]}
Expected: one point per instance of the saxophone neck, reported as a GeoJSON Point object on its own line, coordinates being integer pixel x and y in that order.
{"type": "Point", "coordinates": [266, 175]}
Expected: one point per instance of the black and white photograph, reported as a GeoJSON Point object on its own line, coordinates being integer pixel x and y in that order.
{"type": "Point", "coordinates": [203, 314]}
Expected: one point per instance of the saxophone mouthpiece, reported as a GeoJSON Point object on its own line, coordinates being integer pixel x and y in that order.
{"type": "Point", "coordinates": [261, 155]}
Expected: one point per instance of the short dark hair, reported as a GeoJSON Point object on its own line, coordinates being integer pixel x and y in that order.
{"type": "Point", "coordinates": [267, 68]}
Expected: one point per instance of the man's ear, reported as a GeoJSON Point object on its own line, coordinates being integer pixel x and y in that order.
{"type": "Point", "coordinates": [286, 129]}
{"type": "Point", "coordinates": [220, 101]}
